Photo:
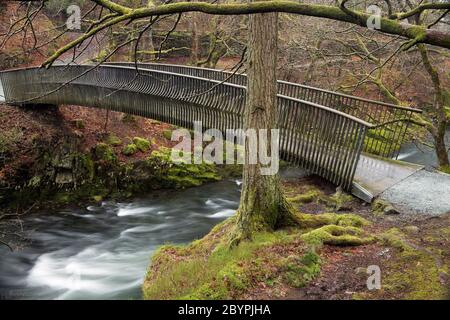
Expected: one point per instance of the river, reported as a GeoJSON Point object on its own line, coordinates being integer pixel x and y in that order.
{"type": "Point", "coordinates": [422, 154]}
{"type": "Point", "coordinates": [103, 251]}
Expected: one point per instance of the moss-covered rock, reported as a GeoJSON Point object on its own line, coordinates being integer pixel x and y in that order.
{"type": "Point", "coordinates": [380, 207]}
{"type": "Point", "coordinates": [180, 174]}
{"type": "Point", "coordinates": [113, 140]}
{"type": "Point", "coordinates": [142, 144]}
{"type": "Point", "coordinates": [130, 149]}
{"type": "Point", "coordinates": [104, 152]}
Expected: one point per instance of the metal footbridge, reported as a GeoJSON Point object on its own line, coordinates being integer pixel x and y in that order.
{"type": "Point", "coordinates": [350, 141]}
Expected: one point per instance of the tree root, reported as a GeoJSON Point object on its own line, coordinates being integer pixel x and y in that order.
{"type": "Point", "coordinates": [337, 236]}
{"type": "Point", "coordinates": [328, 228]}
{"type": "Point", "coordinates": [306, 221]}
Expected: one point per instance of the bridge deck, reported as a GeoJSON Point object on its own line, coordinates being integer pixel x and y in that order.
{"type": "Point", "coordinates": [375, 175]}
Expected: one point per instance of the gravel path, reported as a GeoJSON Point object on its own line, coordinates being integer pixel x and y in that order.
{"type": "Point", "coordinates": [423, 192]}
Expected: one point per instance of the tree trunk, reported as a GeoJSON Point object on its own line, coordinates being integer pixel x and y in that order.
{"type": "Point", "coordinates": [195, 40]}
{"type": "Point", "coordinates": [262, 204]}
{"type": "Point", "coordinates": [441, 149]}
{"type": "Point", "coordinates": [440, 122]}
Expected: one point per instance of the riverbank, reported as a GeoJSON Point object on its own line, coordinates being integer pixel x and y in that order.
{"type": "Point", "coordinates": [69, 154]}
{"type": "Point", "coordinates": [329, 257]}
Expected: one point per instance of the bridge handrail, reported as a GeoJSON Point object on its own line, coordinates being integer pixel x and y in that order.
{"type": "Point", "coordinates": [390, 121]}
{"type": "Point", "coordinates": [215, 82]}
{"type": "Point", "coordinates": [244, 76]}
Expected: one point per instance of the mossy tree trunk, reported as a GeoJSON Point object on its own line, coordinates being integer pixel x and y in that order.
{"type": "Point", "coordinates": [440, 122]}
{"type": "Point", "coordinates": [262, 204]}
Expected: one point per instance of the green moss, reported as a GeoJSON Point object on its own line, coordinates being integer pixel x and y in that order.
{"type": "Point", "coordinates": [340, 200]}
{"type": "Point", "coordinates": [142, 144]}
{"type": "Point", "coordinates": [113, 140]}
{"type": "Point", "coordinates": [130, 149]}
{"type": "Point", "coordinates": [88, 165]}
{"type": "Point", "coordinates": [97, 198]}
{"type": "Point", "coordinates": [396, 239]}
{"type": "Point", "coordinates": [337, 235]}
{"type": "Point", "coordinates": [62, 198]}
{"type": "Point", "coordinates": [445, 169]}
{"type": "Point", "coordinates": [301, 270]}
{"type": "Point", "coordinates": [180, 175]}
{"type": "Point", "coordinates": [209, 269]}
{"type": "Point", "coordinates": [307, 197]}
{"type": "Point", "coordinates": [167, 134]}
{"type": "Point", "coordinates": [318, 220]}
{"type": "Point", "coordinates": [105, 152]}
{"type": "Point", "coordinates": [446, 231]}
{"type": "Point", "coordinates": [413, 272]}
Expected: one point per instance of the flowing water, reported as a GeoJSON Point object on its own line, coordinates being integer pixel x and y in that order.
{"type": "Point", "coordinates": [422, 154]}
{"type": "Point", "coordinates": [103, 251]}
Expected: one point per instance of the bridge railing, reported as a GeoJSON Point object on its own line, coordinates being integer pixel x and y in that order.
{"type": "Point", "coordinates": [323, 140]}
{"type": "Point", "coordinates": [390, 121]}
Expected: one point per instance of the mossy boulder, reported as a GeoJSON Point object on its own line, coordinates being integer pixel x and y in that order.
{"type": "Point", "coordinates": [142, 144]}
{"type": "Point", "coordinates": [113, 140]}
{"type": "Point", "coordinates": [130, 149]}
{"type": "Point", "coordinates": [180, 174]}
{"type": "Point", "coordinates": [104, 152]}
{"type": "Point", "coordinates": [380, 207]}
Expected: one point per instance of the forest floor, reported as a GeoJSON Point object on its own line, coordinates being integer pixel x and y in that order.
{"type": "Point", "coordinates": [413, 255]}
